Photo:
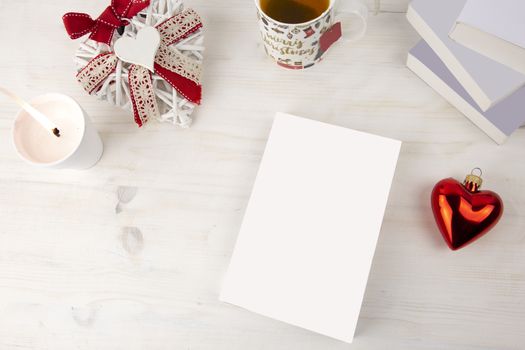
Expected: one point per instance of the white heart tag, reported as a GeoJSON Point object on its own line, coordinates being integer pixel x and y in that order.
{"type": "Point", "coordinates": [141, 50]}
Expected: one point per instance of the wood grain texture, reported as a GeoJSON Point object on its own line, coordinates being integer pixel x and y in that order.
{"type": "Point", "coordinates": [131, 254]}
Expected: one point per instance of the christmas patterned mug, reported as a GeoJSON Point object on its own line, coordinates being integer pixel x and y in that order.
{"type": "Point", "coordinates": [301, 45]}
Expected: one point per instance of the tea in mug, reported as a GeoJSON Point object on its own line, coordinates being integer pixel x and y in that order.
{"type": "Point", "coordinates": [294, 11]}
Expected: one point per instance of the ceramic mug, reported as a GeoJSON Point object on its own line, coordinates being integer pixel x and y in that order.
{"type": "Point", "coordinates": [301, 45]}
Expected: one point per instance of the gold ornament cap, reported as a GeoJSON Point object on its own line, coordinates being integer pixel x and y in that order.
{"type": "Point", "coordinates": [473, 181]}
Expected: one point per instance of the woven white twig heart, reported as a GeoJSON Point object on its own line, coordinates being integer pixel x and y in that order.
{"type": "Point", "coordinates": [141, 50]}
{"type": "Point", "coordinates": [173, 107]}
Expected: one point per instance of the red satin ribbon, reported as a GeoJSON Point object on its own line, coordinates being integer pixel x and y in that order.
{"type": "Point", "coordinates": [102, 28]}
{"type": "Point", "coordinates": [187, 88]}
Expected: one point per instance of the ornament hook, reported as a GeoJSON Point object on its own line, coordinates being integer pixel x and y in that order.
{"type": "Point", "coordinates": [479, 170]}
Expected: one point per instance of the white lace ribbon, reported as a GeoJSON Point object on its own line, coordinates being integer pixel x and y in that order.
{"type": "Point", "coordinates": [96, 71]}
{"type": "Point", "coordinates": [142, 94]}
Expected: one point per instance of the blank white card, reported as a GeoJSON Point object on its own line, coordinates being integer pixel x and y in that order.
{"type": "Point", "coordinates": [308, 237]}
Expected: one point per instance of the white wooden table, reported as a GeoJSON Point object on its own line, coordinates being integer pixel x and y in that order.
{"type": "Point", "coordinates": [82, 269]}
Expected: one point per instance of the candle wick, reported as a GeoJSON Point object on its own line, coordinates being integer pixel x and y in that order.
{"type": "Point", "coordinates": [56, 132]}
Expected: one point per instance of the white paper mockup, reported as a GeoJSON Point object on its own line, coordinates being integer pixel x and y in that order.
{"type": "Point", "coordinates": [308, 237]}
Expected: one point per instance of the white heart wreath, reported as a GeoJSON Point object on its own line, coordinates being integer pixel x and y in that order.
{"type": "Point", "coordinates": [173, 107]}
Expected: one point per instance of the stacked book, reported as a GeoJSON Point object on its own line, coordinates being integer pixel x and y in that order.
{"type": "Point", "coordinates": [473, 54]}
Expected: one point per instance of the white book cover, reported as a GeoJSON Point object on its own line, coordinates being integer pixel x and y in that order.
{"type": "Point", "coordinates": [487, 81]}
{"type": "Point", "coordinates": [498, 122]}
{"type": "Point", "coordinates": [495, 29]}
{"type": "Point", "coordinates": [309, 233]}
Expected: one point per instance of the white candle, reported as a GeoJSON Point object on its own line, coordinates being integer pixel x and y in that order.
{"type": "Point", "coordinates": [79, 145]}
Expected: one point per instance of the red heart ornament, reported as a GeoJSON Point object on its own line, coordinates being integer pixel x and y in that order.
{"type": "Point", "coordinates": [463, 213]}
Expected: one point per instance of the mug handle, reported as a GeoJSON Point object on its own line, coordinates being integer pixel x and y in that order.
{"type": "Point", "coordinates": [345, 9]}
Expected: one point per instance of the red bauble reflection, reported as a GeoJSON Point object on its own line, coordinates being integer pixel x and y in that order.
{"type": "Point", "coordinates": [464, 214]}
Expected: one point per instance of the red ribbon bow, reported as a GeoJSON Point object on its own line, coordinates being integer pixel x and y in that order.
{"type": "Point", "coordinates": [102, 29]}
